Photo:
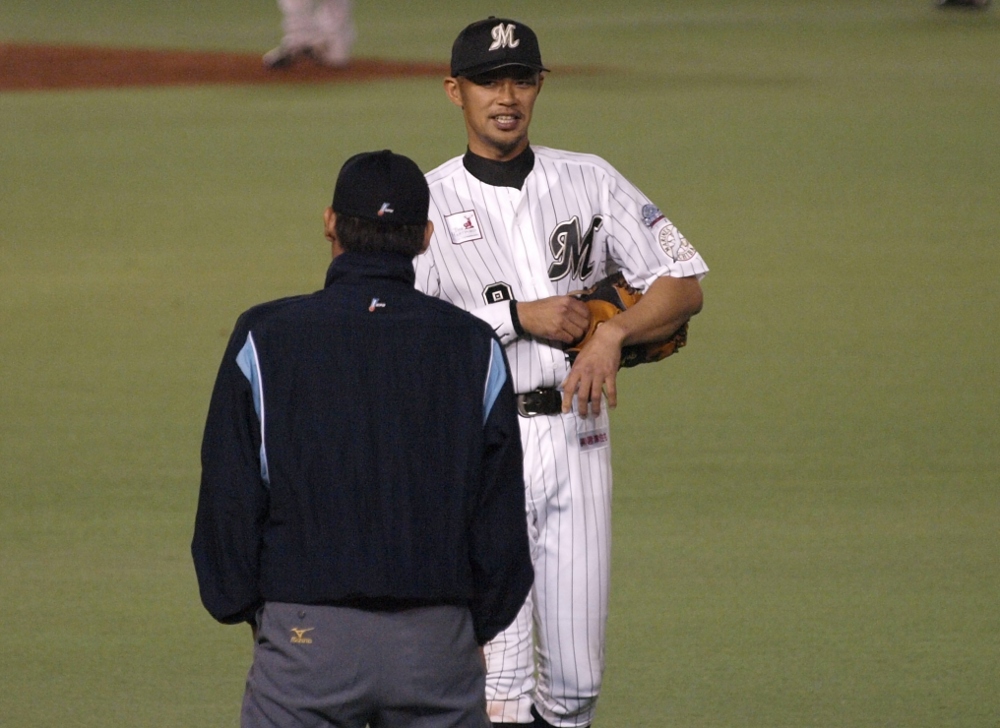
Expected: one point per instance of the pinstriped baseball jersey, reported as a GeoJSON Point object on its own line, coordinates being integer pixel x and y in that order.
{"type": "Point", "coordinates": [575, 220]}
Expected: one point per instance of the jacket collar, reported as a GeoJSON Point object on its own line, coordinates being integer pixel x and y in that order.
{"type": "Point", "coordinates": [393, 266]}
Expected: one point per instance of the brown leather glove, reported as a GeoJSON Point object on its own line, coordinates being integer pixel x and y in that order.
{"type": "Point", "coordinates": [609, 297]}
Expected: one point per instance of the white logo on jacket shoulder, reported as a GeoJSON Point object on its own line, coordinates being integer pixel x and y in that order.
{"type": "Point", "coordinates": [463, 227]}
{"type": "Point", "coordinates": [386, 207]}
{"type": "Point", "coordinates": [503, 37]}
{"type": "Point", "coordinates": [375, 304]}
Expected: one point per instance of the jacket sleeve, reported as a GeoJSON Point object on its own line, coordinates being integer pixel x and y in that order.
{"type": "Point", "coordinates": [501, 560]}
{"type": "Point", "coordinates": [232, 501]}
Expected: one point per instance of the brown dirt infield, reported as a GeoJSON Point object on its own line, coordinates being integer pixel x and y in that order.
{"type": "Point", "coordinates": [26, 67]}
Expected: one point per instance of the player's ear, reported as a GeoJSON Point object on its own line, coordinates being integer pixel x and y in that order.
{"type": "Point", "coordinates": [329, 224]}
{"type": "Point", "coordinates": [428, 234]}
{"type": "Point", "coordinates": [454, 91]}
{"type": "Point", "coordinates": [330, 231]}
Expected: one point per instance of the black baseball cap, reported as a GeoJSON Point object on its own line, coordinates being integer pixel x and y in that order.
{"type": "Point", "coordinates": [493, 43]}
{"type": "Point", "coordinates": [383, 187]}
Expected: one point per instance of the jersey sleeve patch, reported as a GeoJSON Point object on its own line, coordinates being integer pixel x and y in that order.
{"type": "Point", "coordinates": [675, 245]}
{"type": "Point", "coordinates": [651, 215]}
{"type": "Point", "coordinates": [463, 227]}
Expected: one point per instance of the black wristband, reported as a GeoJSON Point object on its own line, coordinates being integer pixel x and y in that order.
{"type": "Point", "coordinates": [514, 319]}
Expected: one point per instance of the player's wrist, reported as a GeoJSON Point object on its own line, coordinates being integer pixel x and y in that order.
{"type": "Point", "coordinates": [515, 320]}
{"type": "Point", "coordinates": [611, 332]}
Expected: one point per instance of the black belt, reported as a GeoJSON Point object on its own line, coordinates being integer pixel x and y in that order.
{"type": "Point", "coordinates": [546, 401]}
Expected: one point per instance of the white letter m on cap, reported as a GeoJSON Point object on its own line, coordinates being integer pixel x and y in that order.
{"type": "Point", "coordinates": [503, 37]}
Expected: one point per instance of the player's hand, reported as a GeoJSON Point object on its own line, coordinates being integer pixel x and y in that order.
{"type": "Point", "coordinates": [557, 318]}
{"type": "Point", "coordinates": [594, 371]}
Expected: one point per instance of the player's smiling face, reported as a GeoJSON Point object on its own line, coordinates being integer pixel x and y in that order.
{"type": "Point", "coordinates": [497, 107]}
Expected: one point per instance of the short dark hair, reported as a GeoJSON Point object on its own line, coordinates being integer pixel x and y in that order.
{"type": "Point", "coordinates": [360, 235]}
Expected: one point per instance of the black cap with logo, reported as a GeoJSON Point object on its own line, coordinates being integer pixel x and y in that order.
{"type": "Point", "coordinates": [493, 43]}
{"type": "Point", "coordinates": [384, 187]}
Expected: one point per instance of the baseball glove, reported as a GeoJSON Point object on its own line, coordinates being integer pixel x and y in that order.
{"type": "Point", "coordinates": [609, 297]}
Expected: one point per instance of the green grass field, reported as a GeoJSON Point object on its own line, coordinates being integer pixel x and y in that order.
{"type": "Point", "coordinates": [807, 508]}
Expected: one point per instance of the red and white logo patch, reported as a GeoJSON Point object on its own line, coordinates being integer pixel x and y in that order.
{"type": "Point", "coordinates": [463, 227]}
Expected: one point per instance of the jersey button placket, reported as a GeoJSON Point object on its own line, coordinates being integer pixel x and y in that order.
{"type": "Point", "coordinates": [529, 247]}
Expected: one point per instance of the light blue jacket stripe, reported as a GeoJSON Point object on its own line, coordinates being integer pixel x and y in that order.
{"type": "Point", "coordinates": [495, 378]}
{"type": "Point", "coordinates": [249, 364]}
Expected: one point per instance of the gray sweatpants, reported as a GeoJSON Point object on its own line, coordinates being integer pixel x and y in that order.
{"type": "Point", "coordinates": [336, 667]}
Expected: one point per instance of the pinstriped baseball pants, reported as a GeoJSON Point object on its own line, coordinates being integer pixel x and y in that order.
{"type": "Point", "coordinates": [552, 656]}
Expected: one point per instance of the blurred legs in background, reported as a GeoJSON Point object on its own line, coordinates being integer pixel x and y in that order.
{"type": "Point", "coordinates": [321, 30]}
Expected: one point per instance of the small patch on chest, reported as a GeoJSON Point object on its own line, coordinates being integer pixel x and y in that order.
{"type": "Point", "coordinates": [463, 227]}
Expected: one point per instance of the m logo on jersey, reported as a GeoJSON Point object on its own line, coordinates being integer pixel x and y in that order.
{"type": "Point", "coordinates": [571, 250]}
{"type": "Point", "coordinates": [503, 37]}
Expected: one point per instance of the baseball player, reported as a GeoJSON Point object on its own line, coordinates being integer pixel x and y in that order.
{"type": "Point", "coordinates": [517, 229]}
{"type": "Point", "coordinates": [322, 30]}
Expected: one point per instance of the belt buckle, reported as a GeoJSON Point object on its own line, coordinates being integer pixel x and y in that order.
{"type": "Point", "coordinates": [534, 402]}
{"type": "Point", "coordinates": [522, 405]}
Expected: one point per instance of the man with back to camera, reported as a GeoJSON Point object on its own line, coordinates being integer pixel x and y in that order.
{"type": "Point", "coordinates": [517, 229]}
{"type": "Point", "coordinates": [362, 501]}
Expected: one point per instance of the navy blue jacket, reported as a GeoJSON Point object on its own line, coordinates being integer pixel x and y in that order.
{"type": "Point", "coordinates": [362, 448]}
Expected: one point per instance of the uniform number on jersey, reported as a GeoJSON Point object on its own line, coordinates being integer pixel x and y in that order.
{"type": "Point", "coordinates": [497, 292]}
{"type": "Point", "coordinates": [571, 250]}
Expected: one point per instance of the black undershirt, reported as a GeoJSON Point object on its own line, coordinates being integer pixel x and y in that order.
{"type": "Point", "coordinates": [500, 174]}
